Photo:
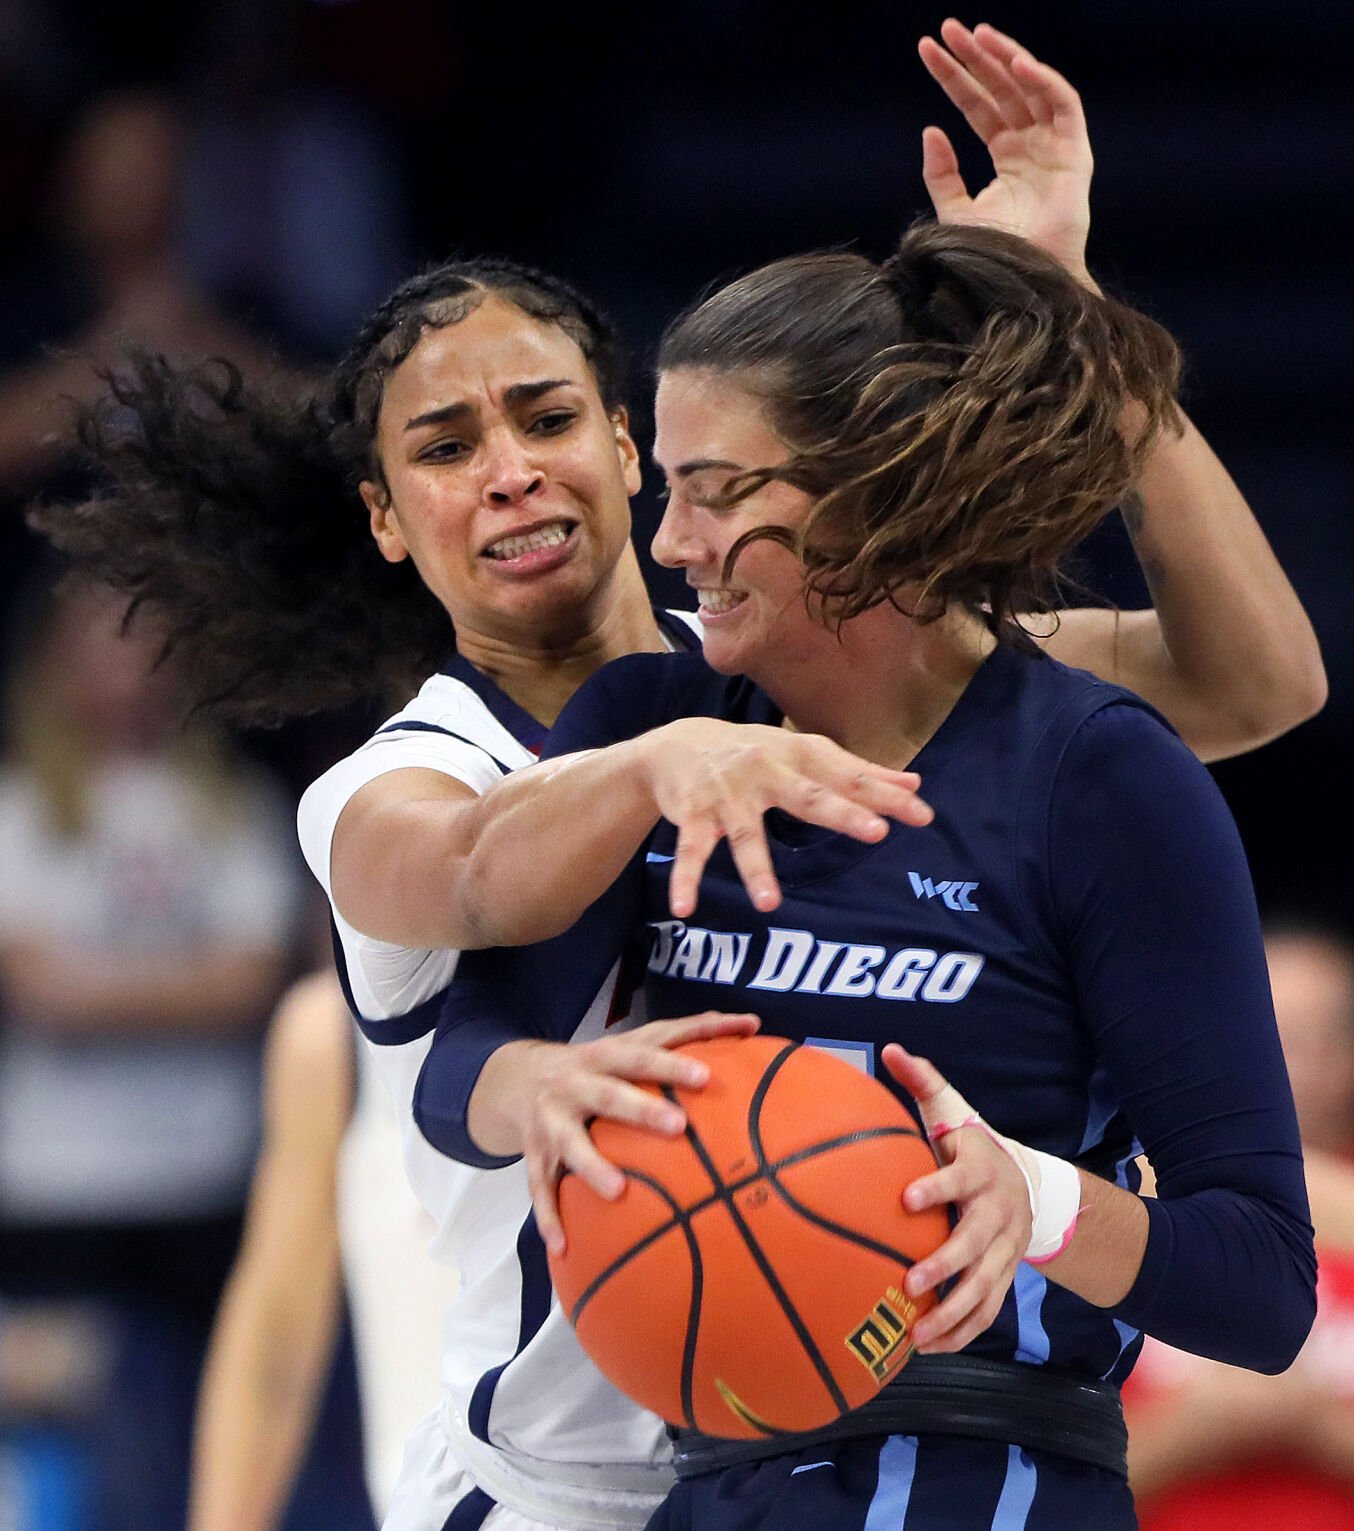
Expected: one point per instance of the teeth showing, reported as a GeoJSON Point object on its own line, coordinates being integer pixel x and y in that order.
{"type": "Point", "coordinates": [716, 601]}
{"type": "Point", "coordinates": [514, 547]}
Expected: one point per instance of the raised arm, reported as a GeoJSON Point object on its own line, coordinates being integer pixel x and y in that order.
{"type": "Point", "coordinates": [1228, 654]}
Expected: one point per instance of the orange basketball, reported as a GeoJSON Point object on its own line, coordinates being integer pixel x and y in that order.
{"type": "Point", "coordinates": [748, 1280]}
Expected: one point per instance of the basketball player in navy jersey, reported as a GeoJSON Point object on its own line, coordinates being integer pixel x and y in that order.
{"type": "Point", "coordinates": [472, 469]}
{"type": "Point", "coordinates": [872, 471]}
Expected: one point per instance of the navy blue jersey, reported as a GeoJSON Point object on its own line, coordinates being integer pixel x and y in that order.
{"type": "Point", "coordinates": [1073, 942]}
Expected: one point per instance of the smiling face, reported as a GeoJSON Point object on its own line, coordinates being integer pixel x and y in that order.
{"type": "Point", "coordinates": [709, 430]}
{"type": "Point", "coordinates": [506, 481]}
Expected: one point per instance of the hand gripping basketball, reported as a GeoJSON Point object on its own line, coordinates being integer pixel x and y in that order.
{"type": "Point", "coordinates": [1053, 1185]}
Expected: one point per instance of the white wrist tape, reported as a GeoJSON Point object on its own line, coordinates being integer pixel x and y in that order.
{"type": "Point", "coordinates": [1054, 1188]}
{"type": "Point", "coordinates": [1055, 1199]}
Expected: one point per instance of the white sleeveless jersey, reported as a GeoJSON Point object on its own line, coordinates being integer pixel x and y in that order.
{"type": "Point", "coordinates": [524, 1411]}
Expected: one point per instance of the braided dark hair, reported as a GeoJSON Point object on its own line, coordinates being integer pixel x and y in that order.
{"type": "Point", "coordinates": [229, 509]}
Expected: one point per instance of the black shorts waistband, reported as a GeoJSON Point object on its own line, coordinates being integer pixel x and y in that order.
{"type": "Point", "coordinates": [987, 1400]}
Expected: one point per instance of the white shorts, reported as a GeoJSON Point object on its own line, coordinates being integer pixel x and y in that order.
{"type": "Point", "coordinates": [434, 1484]}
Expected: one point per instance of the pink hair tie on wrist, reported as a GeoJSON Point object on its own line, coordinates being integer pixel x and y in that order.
{"type": "Point", "coordinates": [1053, 1186]}
{"type": "Point", "coordinates": [1033, 1259]}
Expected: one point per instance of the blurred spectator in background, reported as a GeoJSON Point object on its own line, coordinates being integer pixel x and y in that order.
{"type": "Point", "coordinates": [1212, 1448]}
{"type": "Point", "coordinates": [112, 278]}
{"type": "Point", "coordinates": [147, 912]}
{"type": "Point", "coordinates": [108, 277]}
{"type": "Point", "coordinates": [1311, 970]}
{"type": "Point", "coordinates": [330, 1198]}
{"type": "Point", "coordinates": [294, 209]}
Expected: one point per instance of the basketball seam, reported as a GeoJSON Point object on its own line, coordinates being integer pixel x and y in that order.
{"type": "Point", "coordinates": [769, 1173]}
{"type": "Point", "coordinates": [758, 1254]}
{"type": "Point", "coordinates": [724, 1192]}
{"type": "Point", "coordinates": [679, 1220]}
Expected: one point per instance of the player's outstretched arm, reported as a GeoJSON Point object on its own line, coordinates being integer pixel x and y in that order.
{"type": "Point", "coordinates": [278, 1319]}
{"type": "Point", "coordinates": [419, 859]}
{"type": "Point", "coordinates": [1228, 654]}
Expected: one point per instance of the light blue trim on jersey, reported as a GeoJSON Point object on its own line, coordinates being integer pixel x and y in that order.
{"type": "Point", "coordinates": [1126, 1332]}
{"type": "Point", "coordinates": [1121, 1169]}
{"type": "Point", "coordinates": [858, 1054]}
{"type": "Point", "coordinates": [1031, 1337]}
{"type": "Point", "coordinates": [1017, 1492]}
{"type": "Point", "coordinates": [897, 1468]}
{"type": "Point", "coordinates": [1101, 1109]}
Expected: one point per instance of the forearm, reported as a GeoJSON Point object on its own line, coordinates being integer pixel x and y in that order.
{"type": "Point", "coordinates": [211, 994]}
{"type": "Point", "coordinates": [532, 854]}
{"type": "Point", "coordinates": [260, 1391]}
{"type": "Point", "coordinates": [1214, 1259]}
{"type": "Point", "coordinates": [1235, 660]}
{"type": "Point", "coordinates": [1104, 1255]}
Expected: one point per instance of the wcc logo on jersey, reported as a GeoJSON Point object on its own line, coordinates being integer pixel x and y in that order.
{"type": "Point", "coordinates": [785, 961]}
{"type": "Point", "coordinates": [954, 895]}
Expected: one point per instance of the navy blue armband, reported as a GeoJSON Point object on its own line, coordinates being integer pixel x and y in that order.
{"type": "Point", "coordinates": [447, 1080]}
{"type": "Point", "coordinates": [514, 994]}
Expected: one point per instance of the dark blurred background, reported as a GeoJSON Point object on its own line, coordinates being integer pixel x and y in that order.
{"type": "Point", "coordinates": [253, 175]}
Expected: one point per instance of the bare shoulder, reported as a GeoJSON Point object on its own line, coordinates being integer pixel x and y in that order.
{"type": "Point", "coordinates": [410, 784]}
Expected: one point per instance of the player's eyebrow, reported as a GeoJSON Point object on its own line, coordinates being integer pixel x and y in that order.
{"type": "Point", "coordinates": [439, 416]}
{"type": "Point", "coordinates": [515, 394]}
{"type": "Point", "coordinates": [697, 465]}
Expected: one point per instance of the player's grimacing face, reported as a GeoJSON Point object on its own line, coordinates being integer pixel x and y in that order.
{"type": "Point", "coordinates": [708, 431]}
{"type": "Point", "coordinates": [507, 482]}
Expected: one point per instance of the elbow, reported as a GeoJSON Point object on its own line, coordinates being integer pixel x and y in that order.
{"type": "Point", "coordinates": [441, 1110]}
{"type": "Point", "coordinates": [480, 920]}
{"type": "Point", "coordinates": [1274, 1346]}
{"type": "Point", "coordinates": [1278, 1347]}
{"type": "Point", "coordinates": [491, 911]}
{"type": "Point", "coordinates": [1272, 707]}
{"type": "Point", "coordinates": [1313, 689]}
{"type": "Point", "coordinates": [1299, 693]}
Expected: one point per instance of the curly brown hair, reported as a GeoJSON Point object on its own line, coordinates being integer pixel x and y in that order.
{"type": "Point", "coordinates": [229, 508]}
{"type": "Point", "coordinates": [961, 415]}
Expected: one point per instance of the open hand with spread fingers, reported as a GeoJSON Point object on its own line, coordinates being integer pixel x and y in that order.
{"type": "Point", "coordinates": [1032, 124]}
{"type": "Point", "coordinates": [714, 781]}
